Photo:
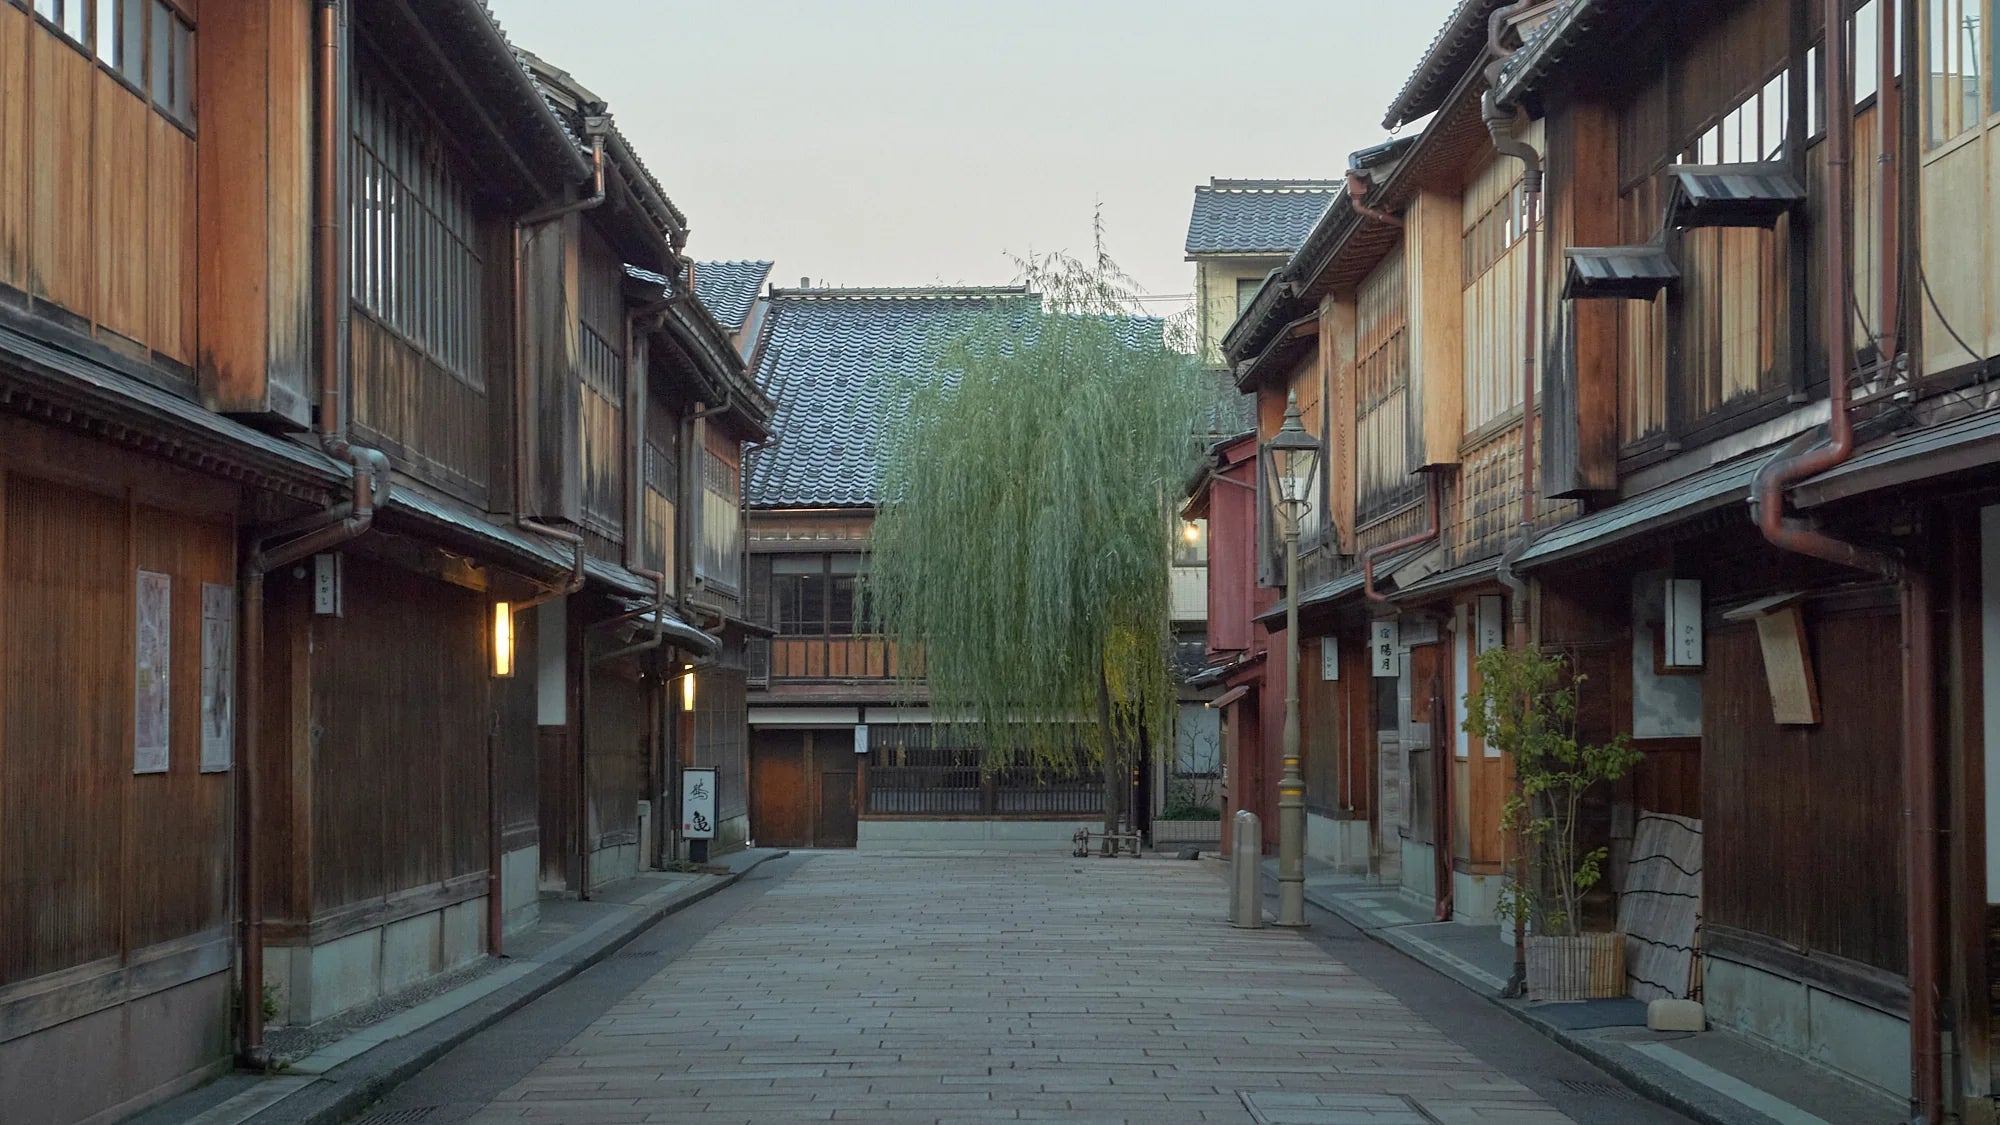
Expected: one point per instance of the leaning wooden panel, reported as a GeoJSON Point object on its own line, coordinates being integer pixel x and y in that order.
{"type": "Point", "coordinates": [59, 172]}
{"type": "Point", "coordinates": [14, 217]}
{"type": "Point", "coordinates": [65, 621]}
{"type": "Point", "coordinates": [121, 208]}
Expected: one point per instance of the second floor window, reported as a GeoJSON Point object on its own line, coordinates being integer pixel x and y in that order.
{"type": "Point", "coordinates": [1246, 292]}
{"type": "Point", "coordinates": [148, 43]}
{"type": "Point", "coordinates": [416, 264]}
{"type": "Point", "coordinates": [1384, 431]}
{"type": "Point", "coordinates": [816, 595]}
{"type": "Point", "coordinates": [721, 557]}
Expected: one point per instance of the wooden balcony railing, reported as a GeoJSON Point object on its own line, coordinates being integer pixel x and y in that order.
{"type": "Point", "coordinates": [857, 657]}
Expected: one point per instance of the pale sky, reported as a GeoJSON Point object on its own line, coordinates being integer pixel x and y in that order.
{"type": "Point", "coordinates": [912, 142]}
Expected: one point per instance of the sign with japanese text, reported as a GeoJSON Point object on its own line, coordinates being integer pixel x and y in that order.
{"type": "Point", "coordinates": [698, 803]}
{"type": "Point", "coordinates": [218, 676]}
{"type": "Point", "coordinates": [1683, 623]}
{"type": "Point", "coordinates": [1329, 659]}
{"type": "Point", "coordinates": [1488, 631]}
{"type": "Point", "coordinates": [1382, 648]}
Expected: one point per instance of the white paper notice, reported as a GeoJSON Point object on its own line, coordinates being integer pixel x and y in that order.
{"type": "Point", "coordinates": [151, 729]}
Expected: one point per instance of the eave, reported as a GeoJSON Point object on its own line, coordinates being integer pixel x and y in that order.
{"type": "Point", "coordinates": [457, 60]}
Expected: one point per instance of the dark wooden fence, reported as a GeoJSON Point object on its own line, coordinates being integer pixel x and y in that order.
{"type": "Point", "coordinates": [937, 772]}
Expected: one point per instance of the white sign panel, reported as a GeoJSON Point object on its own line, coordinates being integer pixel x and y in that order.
{"type": "Point", "coordinates": [1382, 648]}
{"type": "Point", "coordinates": [151, 657]}
{"type": "Point", "coordinates": [1489, 630]}
{"type": "Point", "coordinates": [698, 803]}
{"type": "Point", "coordinates": [218, 676]}
{"type": "Point", "coordinates": [1329, 659]}
{"type": "Point", "coordinates": [326, 585]}
{"type": "Point", "coordinates": [1683, 639]}
{"type": "Point", "coordinates": [861, 738]}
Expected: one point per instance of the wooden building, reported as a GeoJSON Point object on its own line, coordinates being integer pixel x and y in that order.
{"type": "Point", "coordinates": [1760, 459]}
{"type": "Point", "coordinates": [844, 749]}
{"type": "Point", "coordinates": [345, 562]}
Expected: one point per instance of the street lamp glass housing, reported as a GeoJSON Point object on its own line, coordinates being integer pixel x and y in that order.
{"type": "Point", "coordinates": [1294, 457]}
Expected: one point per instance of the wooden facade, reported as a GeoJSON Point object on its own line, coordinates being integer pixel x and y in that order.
{"type": "Point", "coordinates": [185, 383]}
{"type": "Point", "coordinates": [1657, 407]}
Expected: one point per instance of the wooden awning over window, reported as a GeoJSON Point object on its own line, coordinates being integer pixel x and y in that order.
{"type": "Point", "coordinates": [1626, 273]}
{"type": "Point", "coordinates": [1730, 195]}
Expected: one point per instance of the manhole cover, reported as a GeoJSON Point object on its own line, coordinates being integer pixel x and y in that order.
{"type": "Point", "coordinates": [1595, 1089]}
{"type": "Point", "coordinates": [398, 1116]}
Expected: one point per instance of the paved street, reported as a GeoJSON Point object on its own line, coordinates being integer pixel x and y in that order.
{"type": "Point", "coordinates": [886, 989]}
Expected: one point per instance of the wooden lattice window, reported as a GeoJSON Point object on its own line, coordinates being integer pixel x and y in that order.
{"type": "Point", "coordinates": [416, 263]}
{"type": "Point", "coordinates": [1384, 430]}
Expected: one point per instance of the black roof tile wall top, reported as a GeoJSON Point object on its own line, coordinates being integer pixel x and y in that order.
{"type": "Point", "coordinates": [1256, 216]}
{"type": "Point", "coordinates": [829, 360]}
{"type": "Point", "coordinates": [729, 289]}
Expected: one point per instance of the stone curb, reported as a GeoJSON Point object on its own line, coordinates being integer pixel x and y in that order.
{"type": "Point", "coordinates": [1672, 1094]}
{"type": "Point", "coordinates": [355, 1085]}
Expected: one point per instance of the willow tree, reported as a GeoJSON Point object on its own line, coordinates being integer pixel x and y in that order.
{"type": "Point", "coordinates": [1024, 540]}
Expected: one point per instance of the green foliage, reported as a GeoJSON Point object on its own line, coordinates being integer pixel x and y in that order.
{"type": "Point", "coordinates": [1025, 544]}
{"type": "Point", "coordinates": [1184, 802]}
{"type": "Point", "coordinates": [1526, 708]}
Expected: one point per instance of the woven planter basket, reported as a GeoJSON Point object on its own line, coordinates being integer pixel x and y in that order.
{"type": "Point", "coordinates": [1582, 967]}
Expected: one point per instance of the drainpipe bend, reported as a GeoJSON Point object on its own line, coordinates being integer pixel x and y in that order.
{"type": "Point", "coordinates": [1357, 193]}
{"type": "Point", "coordinates": [338, 524]}
{"type": "Point", "coordinates": [1433, 504]}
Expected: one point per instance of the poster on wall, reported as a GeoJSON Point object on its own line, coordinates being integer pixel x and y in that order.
{"type": "Point", "coordinates": [698, 803]}
{"type": "Point", "coordinates": [218, 676]}
{"type": "Point", "coordinates": [152, 653]}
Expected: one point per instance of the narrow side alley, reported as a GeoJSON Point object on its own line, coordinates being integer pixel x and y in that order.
{"type": "Point", "coordinates": [889, 989]}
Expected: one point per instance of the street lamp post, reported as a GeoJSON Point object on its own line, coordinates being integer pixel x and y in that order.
{"type": "Point", "coordinates": [1294, 459]}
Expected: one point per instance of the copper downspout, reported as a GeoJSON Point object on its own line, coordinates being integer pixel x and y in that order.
{"type": "Point", "coordinates": [1357, 192]}
{"type": "Point", "coordinates": [342, 523]}
{"type": "Point", "coordinates": [1785, 470]}
{"type": "Point", "coordinates": [1433, 504]}
{"type": "Point", "coordinates": [1499, 126]}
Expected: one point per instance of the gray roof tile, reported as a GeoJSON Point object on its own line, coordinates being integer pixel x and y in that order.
{"type": "Point", "coordinates": [826, 358]}
{"type": "Point", "coordinates": [729, 289]}
{"type": "Point", "coordinates": [1256, 216]}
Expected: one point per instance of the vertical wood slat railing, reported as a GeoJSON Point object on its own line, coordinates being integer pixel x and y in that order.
{"type": "Point", "coordinates": [910, 775]}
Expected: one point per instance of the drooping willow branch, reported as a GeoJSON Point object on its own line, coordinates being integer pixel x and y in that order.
{"type": "Point", "coordinates": [1024, 540]}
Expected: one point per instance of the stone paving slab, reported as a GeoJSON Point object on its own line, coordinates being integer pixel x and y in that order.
{"type": "Point", "coordinates": [931, 989]}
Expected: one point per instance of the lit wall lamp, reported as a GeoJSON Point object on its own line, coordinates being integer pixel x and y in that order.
{"type": "Point", "coordinates": [687, 690]}
{"type": "Point", "coordinates": [503, 639]}
{"type": "Point", "coordinates": [1190, 532]}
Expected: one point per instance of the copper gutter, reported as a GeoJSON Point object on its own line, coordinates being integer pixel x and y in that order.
{"type": "Point", "coordinates": [1499, 126]}
{"type": "Point", "coordinates": [1433, 505]}
{"type": "Point", "coordinates": [1357, 191]}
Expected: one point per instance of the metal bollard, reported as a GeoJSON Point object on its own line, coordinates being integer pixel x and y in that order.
{"type": "Point", "coordinates": [1246, 851]}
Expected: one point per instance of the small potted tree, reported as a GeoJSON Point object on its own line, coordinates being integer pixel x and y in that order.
{"type": "Point", "coordinates": [1526, 708]}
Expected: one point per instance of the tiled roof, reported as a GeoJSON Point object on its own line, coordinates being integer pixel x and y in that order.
{"type": "Point", "coordinates": [729, 289]}
{"type": "Point", "coordinates": [1457, 45]}
{"type": "Point", "coordinates": [827, 358]}
{"type": "Point", "coordinates": [1256, 216]}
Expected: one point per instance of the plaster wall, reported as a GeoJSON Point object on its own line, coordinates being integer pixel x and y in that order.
{"type": "Point", "coordinates": [1856, 1041]}
{"type": "Point", "coordinates": [313, 983]}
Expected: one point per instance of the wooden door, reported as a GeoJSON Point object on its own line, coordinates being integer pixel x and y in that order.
{"type": "Point", "coordinates": [836, 823]}
{"type": "Point", "coordinates": [779, 815]}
